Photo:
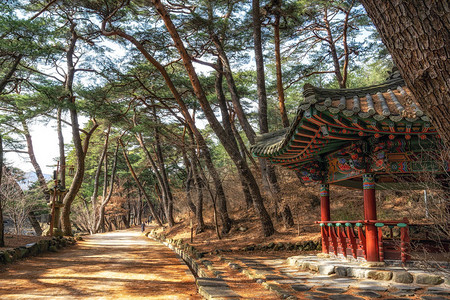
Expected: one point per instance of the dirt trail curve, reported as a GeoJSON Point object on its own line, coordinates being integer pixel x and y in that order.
{"type": "Point", "coordinates": [116, 265]}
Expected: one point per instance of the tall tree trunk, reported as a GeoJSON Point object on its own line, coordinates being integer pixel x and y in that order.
{"type": "Point", "coordinates": [189, 182]}
{"type": "Point", "coordinates": [199, 184]}
{"type": "Point", "coordinates": [141, 188]}
{"type": "Point", "coordinates": [97, 180]}
{"type": "Point", "coordinates": [259, 59]}
{"type": "Point", "coordinates": [168, 200]}
{"type": "Point", "coordinates": [267, 170]}
{"type": "Point", "coordinates": [228, 126]}
{"type": "Point", "coordinates": [280, 90]}
{"type": "Point", "coordinates": [80, 146]}
{"type": "Point", "coordinates": [224, 137]}
{"type": "Point", "coordinates": [107, 198]}
{"type": "Point", "coordinates": [417, 35]}
{"type": "Point", "coordinates": [62, 154]}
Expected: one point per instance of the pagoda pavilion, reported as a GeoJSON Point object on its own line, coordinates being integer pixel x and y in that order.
{"type": "Point", "coordinates": [369, 138]}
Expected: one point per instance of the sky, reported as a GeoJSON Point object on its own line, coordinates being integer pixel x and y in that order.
{"type": "Point", "coordinates": [45, 145]}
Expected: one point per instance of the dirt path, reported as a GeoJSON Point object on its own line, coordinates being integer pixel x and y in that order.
{"type": "Point", "coordinates": [117, 265]}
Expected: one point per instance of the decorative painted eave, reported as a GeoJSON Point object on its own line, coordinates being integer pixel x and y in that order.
{"type": "Point", "coordinates": [330, 118]}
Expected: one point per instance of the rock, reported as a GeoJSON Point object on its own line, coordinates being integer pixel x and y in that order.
{"type": "Point", "coordinates": [373, 264]}
{"type": "Point", "coordinates": [379, 275]}
{"type": "Point", "coordinates": [424, 278]}
{"type": "Point", "coordinates": [314, 267]}
{"type": "Point", "coordinates": [402, 277]}
{"type": "Point", "coordinates": [326, 269]}
{"type": "Point", "coordinates": [357, 272]}
{"type": "Point", "coordinates": [369, 294]}
{"type": "Point", "coordinates": [331, 290]}
{"type": "Point", "coordinates": [300, 287]}
{"type": "Point", "coordinates": [340, 271]}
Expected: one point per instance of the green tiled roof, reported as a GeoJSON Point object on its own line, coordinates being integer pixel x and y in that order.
{"type": "Point", "coordinates": [330, 118]}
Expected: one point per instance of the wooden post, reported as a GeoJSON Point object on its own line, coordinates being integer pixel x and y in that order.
{"type": "Point", "coordinates": [370, 213]}
{"type": "Point", "coordinates": [325, 215]}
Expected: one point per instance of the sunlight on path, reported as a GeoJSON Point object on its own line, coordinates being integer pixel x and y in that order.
{"type": "Point", "coordinates": [115, 265]}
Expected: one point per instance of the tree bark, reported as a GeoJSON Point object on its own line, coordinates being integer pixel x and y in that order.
{"type": "Point", "coordinates": [259, 60]}
{"type": "Point", "coordinates": [280, 90]}
{"type": "Point", "coordinates": [62, 154]}
{"type": "Point", "coordinates": [417, 35]}
{"type": "Point", "coordinates": [97, 180]}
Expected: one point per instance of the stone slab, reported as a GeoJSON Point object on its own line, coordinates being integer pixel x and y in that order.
{"type": "Point", "coordinates": [301, 287]}
{"type": "Point", "coordinates": [344, 297]}
{"type": "Point", "coordinates": [377, 288]}
{"type": "Point", "coordinates": [331, 290]}
{"type": "Point", "coordinates": [369, 294]}
{"type": "Point", "coordinates": [211, 282]}
{"type": "Point", "coordinates": [212, 292]}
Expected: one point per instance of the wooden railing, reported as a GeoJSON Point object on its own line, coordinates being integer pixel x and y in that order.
{"type": "Point", "coordinates": [348, 238]}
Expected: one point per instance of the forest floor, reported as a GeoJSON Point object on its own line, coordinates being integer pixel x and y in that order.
{"type": "Point", "coordinates": [246, 231]}
{"type": "Point", "coordinates": [116, 265]}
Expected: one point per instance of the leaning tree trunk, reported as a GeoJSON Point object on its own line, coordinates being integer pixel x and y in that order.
{"type": "Point", "coordinates": [140, 186]}
{"type": "Point", "coordinates": [417, 35]}
{"type": "Point", "coordinates": [168, 201]}
{"type": "Point", "coordinates": [97, 180]}
{"type": "Point", "coordinates": [107, 197]}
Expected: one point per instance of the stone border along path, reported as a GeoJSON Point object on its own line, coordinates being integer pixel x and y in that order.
{"type": "Point", "coordinates": [289, 282]}
{"type": "Point", "coordinates": [34, 249]}
{"type": "Point", "coordinates": [285, 278]}
{"type": "Point", "coordinates": [209, 286]}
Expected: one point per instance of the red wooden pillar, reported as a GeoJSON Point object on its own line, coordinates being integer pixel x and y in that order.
{"type": "Point", "coordinates": [325, 215]}
{"type": "Point", "coordinates": [370, 213]}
